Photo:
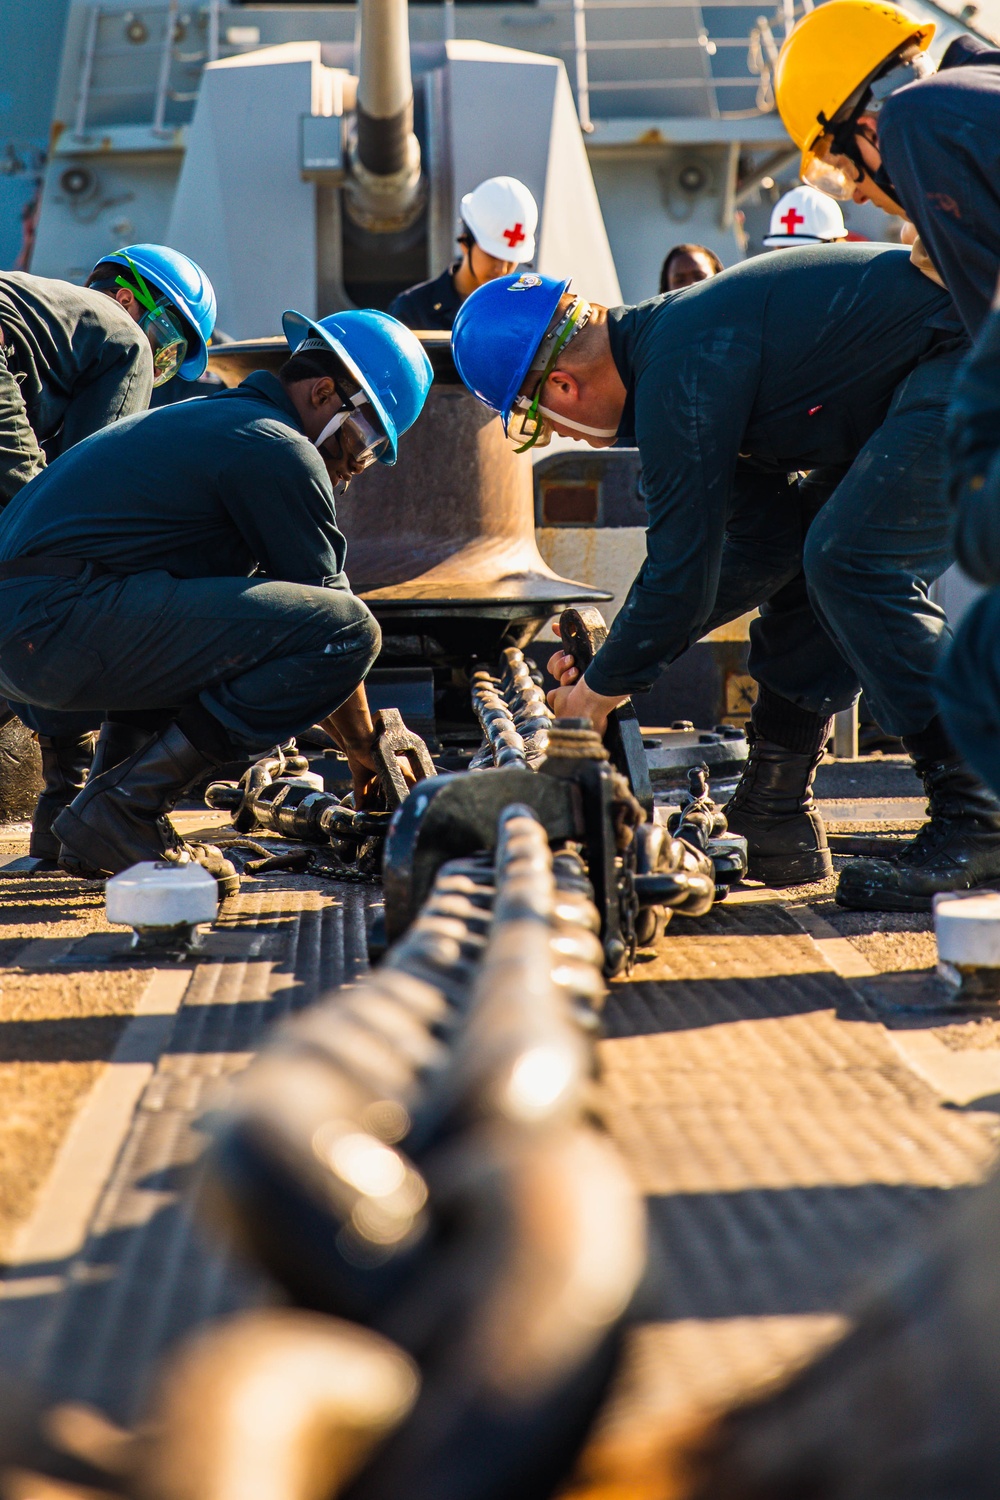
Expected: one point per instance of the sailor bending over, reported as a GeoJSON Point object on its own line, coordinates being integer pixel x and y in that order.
{"type": "Point", "coordinates": [837, 360]}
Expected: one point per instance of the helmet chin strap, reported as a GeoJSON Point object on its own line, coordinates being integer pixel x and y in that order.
{"type": "Point", "coordinates": [555, 416]}
{"type": "Point", "coordinates": [884, 182]}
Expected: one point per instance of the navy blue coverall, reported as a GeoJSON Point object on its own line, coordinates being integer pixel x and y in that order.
{"type": "Point", "coordinates": [940, 145]}
{"type": "Point", "coordinates": [969, 679]}
{"type": "Point", "coordinates": [838, 360]}
{"type": "Point", "coordinates": [71, 361]}
{"type": "Point", "coordinates": [172, 510]}
{"type": "Point", "coordinates": [429, 304]}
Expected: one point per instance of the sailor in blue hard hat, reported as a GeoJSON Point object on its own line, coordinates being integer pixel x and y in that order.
{"type": "Point", "coordinates": [191, 574]}
{"type": "Point", "coordinates": [833, 364]}
{"type": "Point", "coordinates": [510, 334]}
{"type": "Point", "coordinates": [170, 298]}
{"type": "Point", "coordinates": [380, 378]}
{"type": "Point", "coordinates": [74, 359]}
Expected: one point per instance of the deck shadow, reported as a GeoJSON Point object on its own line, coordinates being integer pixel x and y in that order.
{"type": "Point", "coordinates": [651, 1007]}
{"type": "Point", "coordinates": [778, 1252]}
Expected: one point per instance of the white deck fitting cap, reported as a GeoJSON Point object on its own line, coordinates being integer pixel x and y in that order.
{"type": "Point", "coordinates": [162, 895]}
{"type": "Point", "coordinates": [967, 928]}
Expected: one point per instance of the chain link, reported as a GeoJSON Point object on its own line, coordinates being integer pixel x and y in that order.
{"type": "Point", "coordinates": [348, 876]}
{"type": "Point", "coordinates": [513, 714]}
{"type": "Point", "coordinates": [627, 813]}
{"type": "Point", "coordinates": [628, 905]}
{"type": "Point", "coordinates": [307, 861]}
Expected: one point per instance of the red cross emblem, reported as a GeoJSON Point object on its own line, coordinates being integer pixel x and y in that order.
{"type": "Point", "coordinates": [514, 236]}
{"type": "Point", "coordinates": [792, 218]}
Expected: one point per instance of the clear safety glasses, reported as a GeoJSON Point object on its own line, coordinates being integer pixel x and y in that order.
{"type": "Point", "coordinates": [528, 426]}
{"type": "Point", "coordinates": [361, 437]}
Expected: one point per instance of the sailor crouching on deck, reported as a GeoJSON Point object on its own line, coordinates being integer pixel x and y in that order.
{"type": "Point", "coordinates": [837, 360]}
{"type": "Point", "coordinates": [73, 360]}
{"type": "Point", "coordinates": [124, 581]}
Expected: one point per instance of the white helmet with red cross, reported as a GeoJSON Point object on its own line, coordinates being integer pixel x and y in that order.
{"type": "Point", "coordinates": [805, 216]}
{"type": "Point", "coordinates": [502, 217]}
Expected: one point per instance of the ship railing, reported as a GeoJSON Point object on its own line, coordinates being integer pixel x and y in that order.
{"type": "Point", "coordinates": [761, 44]}
{"type": "Point", "coordinates": [172, 53]}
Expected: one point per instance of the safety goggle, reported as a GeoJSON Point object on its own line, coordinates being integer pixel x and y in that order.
{"type": "Point", "coordinates": [836, 165]}
{"type": "Point", "coordinates": [167, 338]}
{"type": "Point", "coordinates": [528, 427]}
{"type": "Point", "coordinates": [831, 170]}
{"type": "Point", "coordinates": [528, 424]}
{"type": "Point", "coordinates": [167, 341]}
{"type": "Point", "coordinates": [361, 437]}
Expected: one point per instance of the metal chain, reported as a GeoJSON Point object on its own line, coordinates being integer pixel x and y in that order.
{"type": "Point", "coordinates": [349, 877]}
{"type": "Point", "coordinates": [513, 713]}
{"type": "Point", "coordinates": [628, 813]}
{"type": "Point", "coordinates": [628, 903]}
{"type": "Point", "coordinates": [301, 860]}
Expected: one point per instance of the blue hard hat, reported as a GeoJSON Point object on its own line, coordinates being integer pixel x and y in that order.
{"type": "Point", "coordinates": [189, 289]}
{"type": "Point", "coordinates": [497, 331]}
{"type": "Point", "coordinates": [381, 354]}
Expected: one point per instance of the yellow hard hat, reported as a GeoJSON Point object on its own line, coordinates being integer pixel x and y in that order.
{"type": "Point", "coordinates": [829, 55]}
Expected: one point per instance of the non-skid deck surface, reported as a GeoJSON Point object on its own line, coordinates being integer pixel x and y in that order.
{"type": "Point", "coordinates": [784, 1142]}
{"type": "Point", "coordinates": [787, 1149]}
{"type": "Point", "coordinates": [91, 1329]}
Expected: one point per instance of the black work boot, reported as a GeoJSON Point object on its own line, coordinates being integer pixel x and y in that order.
{"type": "Point", "coordinates": [66, 760]}
{"type": "Point", "coordinates": [773, 806]}
{"type": "Point", "coordinates": [957, 849]}
{"type": "Point", "coordinates": [115, 743]}
{"type": "Point", "coordinates": [120, 818]}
